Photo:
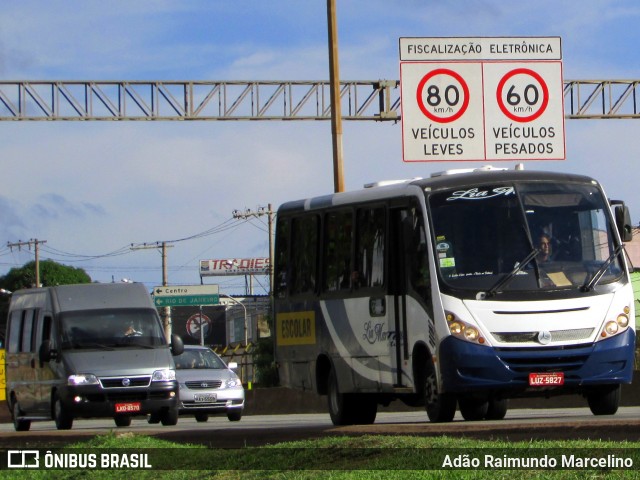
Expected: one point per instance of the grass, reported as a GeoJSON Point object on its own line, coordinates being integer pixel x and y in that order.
{"type": "Point", "coordinates": [353, 458]}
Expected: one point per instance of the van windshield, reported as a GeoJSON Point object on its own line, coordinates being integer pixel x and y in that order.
{"type": "Point", "coordinates": [111, 328]}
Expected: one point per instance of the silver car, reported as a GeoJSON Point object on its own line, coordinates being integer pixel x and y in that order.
{"type": "Point", "coordinates": [208, 385]}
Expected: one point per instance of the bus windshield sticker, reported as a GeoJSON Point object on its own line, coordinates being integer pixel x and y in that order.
{"type": "Point", "coordinates": [477, 194]}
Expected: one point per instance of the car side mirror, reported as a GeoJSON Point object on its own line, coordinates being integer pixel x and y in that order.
{"type": "Point", "coordinates": [177, 345]}
{"type": "Point", "coordinates": [232, 366]}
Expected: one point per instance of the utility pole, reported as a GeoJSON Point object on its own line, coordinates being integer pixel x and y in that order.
{"type": "Point", "coordinates": [165, 280]}
{"type": "Point", "coordinates": [259, 213]}
{"type": "Point", "coordinates": [336, 110]}
{"type": "Point", "coordinates": [36, 244]}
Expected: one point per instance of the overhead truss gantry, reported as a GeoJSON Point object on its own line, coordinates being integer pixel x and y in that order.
{"type": "Point", "coordinates": [261, 100]}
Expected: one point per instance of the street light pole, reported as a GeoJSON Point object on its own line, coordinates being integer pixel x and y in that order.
{"type": "Point", "coordinates": [246, 331]}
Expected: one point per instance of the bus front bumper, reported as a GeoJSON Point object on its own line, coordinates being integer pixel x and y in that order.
{"type": "Point", "coordinates": [466, 366]}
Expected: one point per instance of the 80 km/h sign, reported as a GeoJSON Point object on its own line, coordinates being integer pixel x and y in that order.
{"type": "Point", "coordinates": [446, 104]}
{"type": "Point", "coordinates": [482, 99]}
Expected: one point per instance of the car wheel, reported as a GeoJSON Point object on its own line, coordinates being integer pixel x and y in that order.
{"type": "Point", "coordinates": [234, 416]}
{"type": "Point", "coordinates": [64, 420]}
{"type": "Point", "coordinates": [19, 424]}
{"type": "Point", "coordinates": [202, 417]}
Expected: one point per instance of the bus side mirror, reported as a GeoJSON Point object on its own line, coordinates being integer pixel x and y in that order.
{"type": "Point", "coordinates": [177, 345]}
{"type": "Point", "coordinates": [623, 221]}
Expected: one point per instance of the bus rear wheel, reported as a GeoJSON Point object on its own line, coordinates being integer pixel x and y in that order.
{"type": "Point", "coordinates": [604, 400]}
{"type": "Point", "coordinates": [349, 409]}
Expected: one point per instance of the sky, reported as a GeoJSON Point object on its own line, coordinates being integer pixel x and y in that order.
{"type": "Point", "coordinates": [91, 189]}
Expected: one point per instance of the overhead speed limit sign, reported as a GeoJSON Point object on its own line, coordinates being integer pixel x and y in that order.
{"type": "Point", "coordinates": [443, 95]}
{"type": "Point", "coordinates": [481, 99]}
{"type": "Point", "coordinates": [522, 95]}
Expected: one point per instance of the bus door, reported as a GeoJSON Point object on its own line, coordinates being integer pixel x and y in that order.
{"type": "Point", "coordinates": [409, 286]}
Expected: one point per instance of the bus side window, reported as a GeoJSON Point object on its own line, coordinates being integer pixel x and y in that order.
{"type": "Point", "coordinates": [304, 248]}
{"type": "Point", "coordinates": [336, 260]}
{"type": "Point", "coordinates": [282, 258]}
{"type": "Point", "coordinates": [370, 248]}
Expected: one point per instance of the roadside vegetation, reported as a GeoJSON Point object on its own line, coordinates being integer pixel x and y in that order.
{"type": "Point", "coordinates": [348, 458]}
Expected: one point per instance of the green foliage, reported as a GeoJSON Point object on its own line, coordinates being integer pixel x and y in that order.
{"type": "Point", "coordinates": [263, 360]}
{"type": "Point", "coordinates": [51, 274]}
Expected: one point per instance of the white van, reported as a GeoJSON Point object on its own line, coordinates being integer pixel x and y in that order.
{"type": "Point", "coordinates": [90, 350]}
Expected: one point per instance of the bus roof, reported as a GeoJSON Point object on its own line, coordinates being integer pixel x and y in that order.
{"type": "Point", "coordinates": [440, 181]}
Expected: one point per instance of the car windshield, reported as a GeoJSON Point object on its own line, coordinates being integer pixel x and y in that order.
{"type": "Point", "coordinates": [111, 328]}
{"type": "Point", "coordinates": [198, 358]}
{"type": "Point", "coordinates": [523, 237]}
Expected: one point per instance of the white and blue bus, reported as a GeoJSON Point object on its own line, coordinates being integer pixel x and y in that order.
{"type": "Point", "coordinates": [462, 290]}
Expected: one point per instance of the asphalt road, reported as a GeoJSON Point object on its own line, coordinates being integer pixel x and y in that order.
{"type": "Point", "coordinates": [256, 430]}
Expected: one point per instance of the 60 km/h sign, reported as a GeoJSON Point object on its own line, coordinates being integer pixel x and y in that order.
{"type": "Point", "coordinates": [466, 99]}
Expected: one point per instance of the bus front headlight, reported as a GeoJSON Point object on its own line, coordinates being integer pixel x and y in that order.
{"type": "Point", "coordinates": [619, 325]}
{"type": "Point", "coordinates": [463, 330]}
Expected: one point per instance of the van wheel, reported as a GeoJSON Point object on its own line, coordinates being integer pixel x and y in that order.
{"type": "Point", "coordinates": [64, 421]}
{"type": "Point", "coordinates": [18, 423]}
{"type": "Point", "coordinates": [153, 418]}
{"type": "Point", "coordinates": [122, 420]}
{"type": "Point", "coordinates": [169, 417]}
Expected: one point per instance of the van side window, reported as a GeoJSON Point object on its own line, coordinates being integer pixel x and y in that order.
{"type": "Point", "coordinates": [28, 324]}
{"type": "Point", "coordinates": [15, 331]}
{"type": "Point", "coordinates": [46, 328]}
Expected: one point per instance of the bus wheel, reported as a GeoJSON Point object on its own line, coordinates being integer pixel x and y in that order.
{"type": "Point", "coordinates": [604, 400]}
{"type": "Point", "coordinates": [341, 406]}
{"type": "Point", "coordinates": [366, 410]}
{"type": "Point", "coordinates": [473, 408]}
{"type": "Point", "coordinates": [497, 409]}
{"type": "Point", "coordinates": [441, 407]}
{"type": "Point", "coordinates": [19, 424]}
{"type": "Point", "coordinates": [64, 421]}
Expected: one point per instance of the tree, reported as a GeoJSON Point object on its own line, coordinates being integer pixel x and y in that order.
{"type": "Point", "coordinates": [51, 274]}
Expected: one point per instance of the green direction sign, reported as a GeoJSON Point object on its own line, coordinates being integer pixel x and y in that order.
{"type": "Point", "coordinates": [187, 300]}
{"type": "Point", "coordinates": [186, 295]}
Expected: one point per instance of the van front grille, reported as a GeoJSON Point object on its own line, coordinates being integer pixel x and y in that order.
{"type": "Point", "coordinates": [125, 382]}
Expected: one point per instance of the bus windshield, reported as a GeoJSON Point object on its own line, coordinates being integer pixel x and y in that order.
{"type": "Point", "coordinates": [523, 237]}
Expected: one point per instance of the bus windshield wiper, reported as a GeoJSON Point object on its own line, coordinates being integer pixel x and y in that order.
{"type": "Point", "coordinates": [591, 284]}
{"type": "Point", "coordinates": [507, 278]}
